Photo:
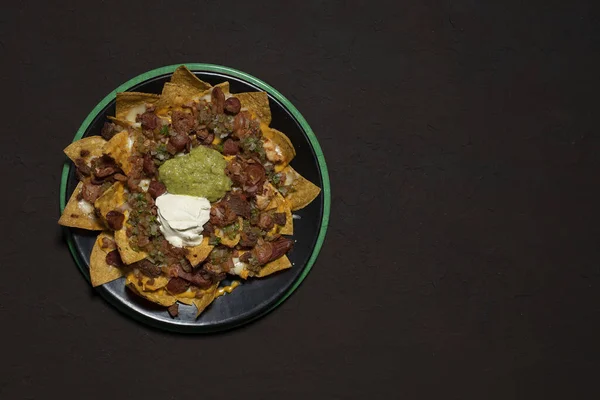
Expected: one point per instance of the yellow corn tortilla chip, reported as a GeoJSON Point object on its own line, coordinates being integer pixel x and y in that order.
{"type": "Point", "coordinates": [274, 266]}
{"type": "Point", "coordinates": [174, 96]}
{"type": "Point", "coordinates": [288, 228]}
{"type": "Point", "coordinates": [185, 78]}
{"type": "Point", "coordinates": [257, 103]}
{"type": "Point", "coordinates": [280, 144]}
{"type": "Point", "coordinates": [130, 104]}
{"type": "Point", "coordinates": [197, 254]}
{"type": "Point", "coordinates": [121, 122]}
{"type": "Point", "coordinates": [302, 192]}
{"type": "Point", "coordinates": [113, 198]}
{"type": "Point", "coordinates": [80, 213]}
{"type": "Point", "coordinates": [159, 296]}
{"type": "Point", "coordinates": [100, 271]}
{"type": "Point", "coordinates": [281, 205]}
{"type": "Point", "coordinates": [128, 255]}
{"type": "Point", "coordinates": [119, 148]}
{"type": "Point", "coordinates": [92, 145]}
{"type": "Point", "coordinates": [151, 284]}
{"type": "Point", "coordinates": [208, 295]}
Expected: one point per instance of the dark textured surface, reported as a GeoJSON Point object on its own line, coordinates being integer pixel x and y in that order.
{"type": "Point", "coordinates": [462, 258]}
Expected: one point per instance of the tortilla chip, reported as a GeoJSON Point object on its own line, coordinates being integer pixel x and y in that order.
{"type": "Point", "coordinates": [197, 254]}
{"type": "Point", "coordinates": [274, 266]}
{"type": "Point", "coordinates": [119, 148]}
{"type": "Point", "coordinates": [184, 78]}
{"type": "Point", "coordinates": [208, 295]}
{"type": "Point", "coordinates": [151, 284]}
{"type": "Point", "coordinates": [302, 192]}
{"type": "Point", "coordinates": [283, 143]}
{"type": "Point", "coordinates": [288, 228]}
{"type": "Point", "coordinates": [128, 255]}
{"type": "Point", "coordinates": [121, 122]}
{"type": "Point", "coordinates": [159, 296]}
{"type": "Point", "coordinates": [113, 198]}
{"type": "Point", "coordinates": [174, 96]}
{"type": "Point", "coordinates": [130, 104]}
{"type": "Point", "coordinates": [281, 205]}
{"type": "Point", "coordinates": [75, 217]}
{"type": "Point", "coordinates": [100, 271]}
{"type": "Point", "coordinates": [92, 145]}
{"type": "Point", "coordinates": [257, 103]}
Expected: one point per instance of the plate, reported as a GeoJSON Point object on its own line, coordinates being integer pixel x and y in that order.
{"type": "Point", "coordinates": [255, 297]}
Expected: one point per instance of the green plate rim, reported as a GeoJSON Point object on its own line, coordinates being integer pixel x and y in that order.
{"type": "Point", "coordinates": [200, 67]}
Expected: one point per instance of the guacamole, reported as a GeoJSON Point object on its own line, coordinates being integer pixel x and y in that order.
{"type": "Point", "coordinates": [200, 173]}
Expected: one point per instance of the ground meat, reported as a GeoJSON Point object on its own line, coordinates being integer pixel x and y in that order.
{"type": "Point", "coordinates": [177, 285]}
{"type": "Point", "coordinates": [232, 105]}
{"type": "Point", "coordinates": [156, 189]}
{"type": "Point", "coordinates": [173, 310]}
{"type": "Point", "coordinates": [84, 153]}
{"type": "Point", "coordinates": [279, 219]}
{"type": "Point", "coordinates": [231, 147]}
{"type": "Point", "coordinates": [108, 130]}
{"type": "Point", "coordinates": [149, 120]}
{"type": "Point", "coordinates": [183, 123]}
{"type": "Point", "coordinates": [265, 222]}
{"type": "Point", "coordinates": [115, 220]}
{"type": "Point", "coordinates": [114, 258]}
{"type": "Point", "coordinates": [91, 192]}
{"type": "Point", "coordinates": [149, 167]}
{"type": "Point", "coordinates": [217, 98]}
{"type": "Point", "coordinates": [148, 268]}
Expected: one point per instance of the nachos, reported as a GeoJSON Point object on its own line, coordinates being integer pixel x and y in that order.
{"type": "Point", "coordinates": [186, 188]}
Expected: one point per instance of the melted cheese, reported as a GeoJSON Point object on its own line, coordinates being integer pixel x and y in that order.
{"type": "Point", "coordinates": [227, 289]}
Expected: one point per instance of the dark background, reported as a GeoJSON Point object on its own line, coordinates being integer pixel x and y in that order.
{"type": "Point", "coordinates": [462, 257]}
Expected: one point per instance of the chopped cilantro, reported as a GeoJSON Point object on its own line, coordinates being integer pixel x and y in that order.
{"type": "Point", "coordinates": [164, 130]}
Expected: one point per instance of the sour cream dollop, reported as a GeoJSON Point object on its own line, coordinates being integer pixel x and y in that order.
{"type": "Point", "coordinates": [182, 218]}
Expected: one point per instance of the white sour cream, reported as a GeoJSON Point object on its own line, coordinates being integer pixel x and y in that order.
{"type": "Point", "coordinates": [182, 218]}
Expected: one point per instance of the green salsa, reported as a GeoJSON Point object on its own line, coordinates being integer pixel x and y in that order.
{"type": "Point", "coordinates": [200, 173]}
